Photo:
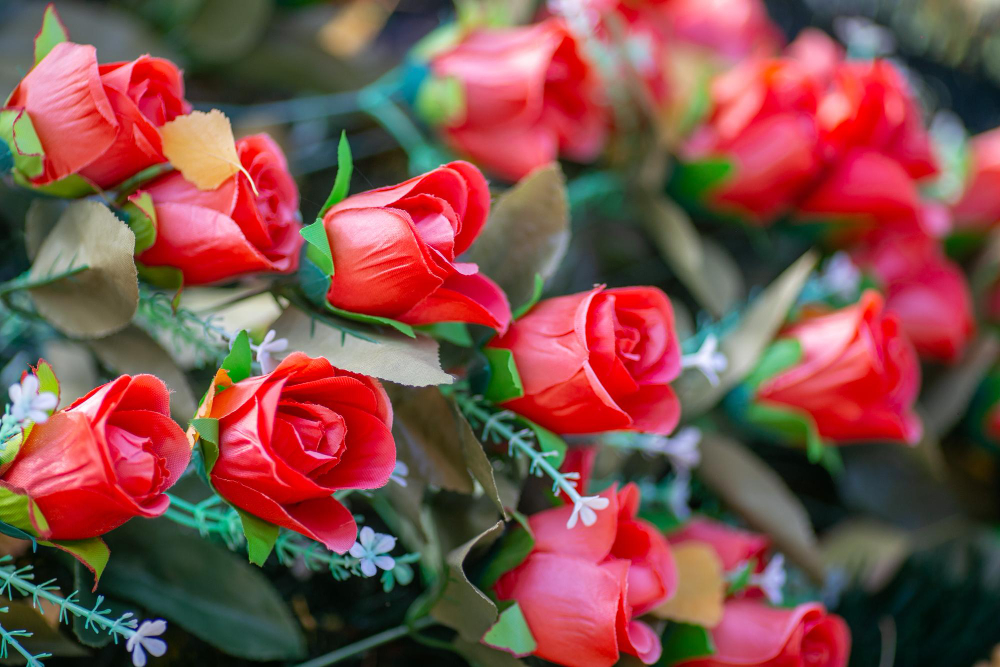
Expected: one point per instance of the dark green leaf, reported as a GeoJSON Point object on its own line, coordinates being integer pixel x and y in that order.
{"type": "Point", "coordinates": [510, 552]}
{"type": "Point", "coordinates": [684, 642]}
{"type": "Point", "coordinates": [209, 591]}
{"type": "Point", "coordinates": [550, 442]}
{"type": "Point", "coordinates": [476, 461]}
{"type": "Point", "coordinates": [461, 606]}
{"type": "Point", "coordinates": [261, 536]}
{"type": "Point", "coordinates": [505, 381]}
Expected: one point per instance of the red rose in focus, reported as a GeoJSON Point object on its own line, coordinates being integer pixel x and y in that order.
{"type": "Point", "coordinates": [580, 587]}
{"type": "Point", "coordinates": [98, 121]}
{"type": "Point", "coordinates": [597, 361]}
{"type": "Point", "coordinates": [753, 634]}
{"type": "Point", "coordinates": [106, 458]}
{"type": "Point", "coordinates": [214, 235]}
{"type": "Point", "coordinates": [734, 546]}
{"type": "Point", "coordinates": [928, 292]}
{"type": "Point", "coordinates": [529, 95]}
{"type": "Point", "coordinates": [857, 378]}
{"type": "Point", "coordinates": [394, 251]}
{"type": "Point", "coordinates": [979, 207]}
{"type": "Point", "coordinates": [289, 439]}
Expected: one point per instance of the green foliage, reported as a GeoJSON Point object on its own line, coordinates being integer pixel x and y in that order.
{"type": "Point", "coordinates": [511, 632]}
{"type": "Point", "coordinates": [505, 381]}
{"type": "Point", "coordinates": [53, 32]}
{"type": "Point", "coordinates": [239, 362]}
{"type": "Point", "coordinates": [684, 642]}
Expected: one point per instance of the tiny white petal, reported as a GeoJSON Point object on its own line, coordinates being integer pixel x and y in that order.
{"type": "Point", "coordinates": [367, 537]}
{"type": "Point", "coordinates": [45, 401]}
{"type": "Point", "coordinates": [384, 544]}
{"type": "Point", "coordinates": [29, 386]}
{"type": "Point", "coordinates": [588, 516]}
{"type": "Point", "coordinates": [385, 562]}
{"type": "Point", "coordinates": [368, 568]}
{"type": "Point", "coordinates": [597, 502]}
{"type": "Point", "coordinates": [357, 550]}
{"type": "Point", "coordinates": [14, 391]}
{"type": "Point", "coordinates": [155, 647]}
{"type": "Point", "coordinates": [279, 345]}
{"type": "Point", "coordinates": [38, 416]}
{"type": "Point", "coordinates": [138, 656]}
{"type": "Point", "coordinates": [574, 515]}
{"type": "Point", "coordinates": [268, 337]}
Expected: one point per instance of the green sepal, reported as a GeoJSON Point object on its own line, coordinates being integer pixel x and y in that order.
{"type": "Point", "coordinates": [6, 158]}
{"type": "Point", "coordinates": [693, 180]}
{"type": "Point", "coordinates": [314, 282]}
{"type": "Point", "coordinates": [778, 357]}
{"type": "Point", "coordinates": [511, 633]}
{"type": "Point", "coordinates": [52, 32]}
{"type": "Point", "coordinates": [208, 438]}
{"type": "Point", "coordinates": [441, 101]}
{"type": "Point", "coordinates": [740, 579]}
{"type": "Point", "coordinates": [141, 220]}
{"type": "Point", "coordinates": [72, 186]}
{"type": "Point", "coordinates": [505, 381]}
{"type": "Point", "coordinates": [549, 442]}
{"type": "Point", "coordinates": [261, 536]}
{"type": "Point", "coordinates": [794, 426]}
{"type": "Point", "coordinates": [19, 511]}
{"type": "Point", "coordinates": [401, 327]}
{"type": "Point", "coordinates": [14, 531]}
{"type": "Point", "coordinates": [18, 132]}
{"type": "Point", "coordinates": [456, 333]}
{"type": "Point", "coordinates": [92, 552]}
{"type": "Point", "coordinates": [342, 181]}
{"type": "Point", "coordinates": [318, 246]}
{"type": "Point", "coordinates": [536, 295]}
{"type": "Point", "coordinates": [165, 277]}
{"type": "Point", "coordinates": [682, 641]}
{"type": "Point", "coordinates": [239, 361]}
{"type": "Point", "coordinates": [509, 552]}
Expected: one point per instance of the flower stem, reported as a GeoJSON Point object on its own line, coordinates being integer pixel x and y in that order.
{"type": "Point", "coordinates": [9, 638]}
{"type": "Point", "coordinates": [359, 647]}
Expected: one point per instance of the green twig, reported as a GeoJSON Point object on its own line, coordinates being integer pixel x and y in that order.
{"type": "Point", "coordinates": [9, 638]}
{"type": "Point", "coordinates": [365, 645]}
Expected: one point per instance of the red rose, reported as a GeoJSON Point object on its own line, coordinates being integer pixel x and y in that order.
{"type": "Point", "coordinates": [979, 207]}
{"type": "Point", "coordinates": [928, 292]}
{"type": "Point", "coordinates": [529, 95]}
{"type": "Point", "coordinates": [857, 378]}
{"type": "Point", "coordinates": [597, 361]}
{"type": "Point", "coordinates": [580, 587]}
{"type": "Point", "coordinates": [106, 458]}
{"type": "Point", "coordinates": [733, 29]}
{"type": "Point", "coordinates": [289, 439]}
{"type": "Point", "coordinates": [213, 235]}
{"type": "Point", "coordinates": [98, 121]}
{"type": "Point", "coordinates": [394, 251]}
{"type": "Point", "coordinates": [734, 546]}
{"type": "Point", "coordinates": [752, 634]}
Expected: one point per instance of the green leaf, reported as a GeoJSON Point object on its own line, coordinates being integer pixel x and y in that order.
{"type": "Point", "coordinates": [6, 158]}
{"type": "Point", "coordinates": [505, 382]}
{"type": "Point", "coordinates": [342, 182]}
{"type": "Point", "coordinates": [460, 605]}
{"type": "Point", "coordinates": [208, 437]}
{"type": "Point", "coordinates": [141, 220]}
{"type": "Point", "coordinates": [53, 32]}
{"type": "Point", "coordinates": [16, 510]}
{"type": "Point", "coordinates": [261, 536]}
{"type": "Point", "coordinates": [204, 588]}
{"type": "Point", "coordinates": [165, 277]}
{"type": "Point", "coordinates": [694, 179]}
{"type": "Point", "coordinates": [742, 577]}
{"type": "Point", "coordinates": [314, 282]}
{"type": "Point", "coordinates": [440, 100]}
{"type": "Point", "coordinates": [47, 380]}
{"type": "Point", "coordinates": [794, 426]}
{"type": "Point", "coordinates": [90, 635]}
{"type": "Point", "coordinates": [93, 553]}
{"type": "Point", "coordinates": [511, 550]}
{"type": "Point", "coordinates": [476, 461]}
{"type": "Point", "coordinates": [683, 642]}
{"type": "Point", "coordinates": [549, 442]}
{"type": "Point", "coordinates": [779, 356]}
{"type": "Point", "coordinates": [511, 633]}
{"type": "Point", "coordinates": [402, 328]}
{"type": "Point", "coordinates": [536, 296]}
{"type": "Point", "coordinates": [456, 333]}
{"type": "Point", "coordinates": [18, 132]}
{"type": "Point", "coordinates": [239, 361]}
{"type": "Point", "coordinates": [318, 248]}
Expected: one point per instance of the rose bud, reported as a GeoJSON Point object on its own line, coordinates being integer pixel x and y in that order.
{"type": "Point", "coordinates": [580, 587]}
{"type": "Point", "coordinates": [215, 235]}
{"type": "Point", "coordinates": [97, 122]}
{"type": "Point", "coordinates": [735, 547]}
{"type": "Point", "coordinates": [752, 634]}
{"type": "Point", "coordinates": [596, 361]}
{"type": "Point", "coordinates": [106, 458]}
{"type": "Point", "coordinates": [289, 439]}
{"type": "Point", "coordinates": [847, 376]}
{"type": "Point", "coordinates": [979, 207]}
{"type": "Point", "coordinates": [928, 293]}
{"type": "Point", "coordinates": [395, 248]}
{"type": "Point", "coordinates": [525, 95]}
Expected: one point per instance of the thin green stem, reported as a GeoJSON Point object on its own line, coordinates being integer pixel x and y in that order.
{"type": "Point", "coordinates": [9, 638]}
{"type": "Point", "coordinates": [22, 282]}
{"type": "Point", "coordinates": [365, 645]}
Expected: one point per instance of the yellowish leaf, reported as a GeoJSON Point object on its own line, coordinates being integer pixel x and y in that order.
{"type": "Point", "coordinates": [201, 146]}
{"type": "Point", "coordinates": [701, 586]}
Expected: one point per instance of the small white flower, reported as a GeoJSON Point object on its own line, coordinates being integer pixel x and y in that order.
{"type": "Point", "coordinates": [399, 473]}
{"type": "Point", "coordinates": [28, 404]}
{"type": "Point", "coordinates": [840, 276]}
{"type": "Point", "coordinates": [707, 359]}
{"type": "Point", "coordinates": [145, 639]}
{"type": "Point", "coordinates": [682, 449]}
{"type": "Point", "coordinates": [772, 579]}
{"type": "Point", "coordinates": [679, 495]}
{"type": "Point", "coordinates": [371, 548]}
{"type": "Point", "coordinates": [267, 346]}
{"type": "Point", "coordinates": [584, 509]}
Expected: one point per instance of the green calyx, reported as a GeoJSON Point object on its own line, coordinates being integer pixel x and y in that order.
{"type": "Point", "coordinates": [441, 101]}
